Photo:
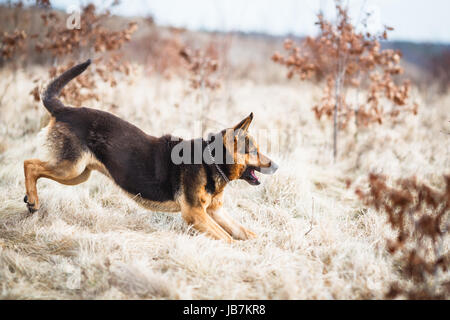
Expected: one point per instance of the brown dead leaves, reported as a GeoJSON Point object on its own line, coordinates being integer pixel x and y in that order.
{"type": "Point", "coordinates": [11, 43]}
{"type": "Point", "coordinates": [347, 58]}
{"type": "Point", "coordinates": [92, 37]}
{"type": "Point", "coordinates": [203, 66]}
{"type": "Point", "coordinates": [420, 216]}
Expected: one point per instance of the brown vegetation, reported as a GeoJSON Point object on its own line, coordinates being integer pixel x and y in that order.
{"type": "Point", "coordinates": [344, 58]}
{"type": "Point", "coordinates": [70, 44]}
{"type": "Point", "coordinates": [420, 216]}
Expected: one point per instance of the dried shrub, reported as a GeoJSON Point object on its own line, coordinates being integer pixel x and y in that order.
{"type": "Point", "coordinates": [204, 79]}
{"type": "Point", "coordinates": [12, 43]}
{"type": "Point", "coordinates": [92, 38]}
{"type": "Point", "coordinates": [203, 67]}
{"type": "Point", "coordinates": [61, 41]}
{"type": "Point", "coordinates": [345, 58]}
{"type": "Point", "coordinates": [420, 216]}
{"type": "Point", "coordinates": [163, 51]}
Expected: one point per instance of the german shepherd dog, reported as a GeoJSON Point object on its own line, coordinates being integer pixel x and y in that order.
{"type": "Point", "coordinates": [80, 140]}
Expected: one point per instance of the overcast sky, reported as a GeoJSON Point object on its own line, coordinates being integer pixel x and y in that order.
{"type": "Point", "coordinates": [415, 20]}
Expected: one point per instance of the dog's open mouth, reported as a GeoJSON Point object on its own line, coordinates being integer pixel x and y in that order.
{"type": "Point", "coordinates": [250, 176]}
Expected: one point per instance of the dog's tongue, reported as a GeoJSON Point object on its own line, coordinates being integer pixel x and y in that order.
{"type": "Point", "coordinates": [252, 173]}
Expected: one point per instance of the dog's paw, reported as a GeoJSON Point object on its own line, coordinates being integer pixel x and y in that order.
{"type": "Point", "coordinates": [230, 241]}
{"type": "Point", "coordinates": [246, 234]}
{"type": "Point", "coordinates": [250, 234]}
{"type": "Point", "coordinates": [32, 207]}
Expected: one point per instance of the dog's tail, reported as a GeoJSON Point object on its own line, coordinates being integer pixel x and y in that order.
{"type": "Point", "coordinates": [49, 98]}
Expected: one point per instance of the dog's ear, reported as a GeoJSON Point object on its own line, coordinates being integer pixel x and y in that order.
{"type": "Point", "coordinates": [244, 124]}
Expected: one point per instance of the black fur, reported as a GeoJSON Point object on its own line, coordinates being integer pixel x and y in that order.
{"type": "Point", "coordinates": [138, 163]}
{"type": "Point", "coordinates": [49, 98]}
{"type": "Point", "coordinates": [210, 183]}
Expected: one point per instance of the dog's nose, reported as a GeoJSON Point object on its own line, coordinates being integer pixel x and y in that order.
{"type": "Point", "coordinates": [270, 169]}
{"type": "Point", "coordinates": [273, 167]}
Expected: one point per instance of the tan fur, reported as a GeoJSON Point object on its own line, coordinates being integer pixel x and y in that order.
{"type": "Point", "coordinates": [197, 216]}
{"type": "Point", "coordinates": [64, 172]}
{"type": "Point", "coordinates": [227, 222]}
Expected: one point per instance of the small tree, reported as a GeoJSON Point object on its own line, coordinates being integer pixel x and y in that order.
{"type": "Point", "coordinates": [345, 58]}
{"type": "Point", "coordinates": [203, 67]}
{"type": "Point", "coordinates": [72, 44]}
{"type": "Point", "coordinates": [163, 52]}
{"type": "Point", "coordinates": [13, 41]}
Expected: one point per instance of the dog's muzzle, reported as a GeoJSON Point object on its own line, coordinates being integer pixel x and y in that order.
{"type": "Point", "coordinates": [269, 170]}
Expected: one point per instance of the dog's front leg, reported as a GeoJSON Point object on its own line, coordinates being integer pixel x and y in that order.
{"type": "Point", "coordinates": [233, 227]}
{"type": "Point", "coordinates": [201, 221]}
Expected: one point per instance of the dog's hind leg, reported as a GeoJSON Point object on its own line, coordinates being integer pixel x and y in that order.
{"type": "Point", "coordinates": [65, 172]}
{"type": "Point", "coordinates": [233, 227]}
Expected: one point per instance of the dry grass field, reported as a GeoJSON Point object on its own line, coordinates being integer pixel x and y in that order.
{"type": "Point", "coordinates": [315, 239]}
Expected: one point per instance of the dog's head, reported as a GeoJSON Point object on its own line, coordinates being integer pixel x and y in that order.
{"type": "Point", "coordinates": [245, 154]}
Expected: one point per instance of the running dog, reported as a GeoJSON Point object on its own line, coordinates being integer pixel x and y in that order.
{"type": "Point", "coordinates": [79, 140]}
